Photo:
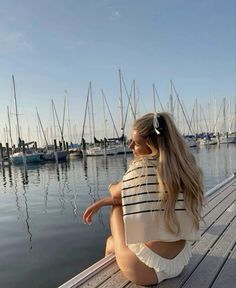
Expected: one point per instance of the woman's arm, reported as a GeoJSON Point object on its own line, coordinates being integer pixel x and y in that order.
{"type": "Point", "coordinates": [115, 191]}
{"type": "Point", "coordinates": [92, 209]}
{"type": "Point", "coordinates": [114, 199]}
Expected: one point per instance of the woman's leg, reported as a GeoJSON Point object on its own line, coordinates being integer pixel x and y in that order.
{"type": "Point", "coordinates": [135, 270]}
{"type": "Point", "coordinates": [110, 248]}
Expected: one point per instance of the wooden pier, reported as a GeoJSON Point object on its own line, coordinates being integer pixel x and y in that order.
{"type": "Point", "coordinates": [213, 263]}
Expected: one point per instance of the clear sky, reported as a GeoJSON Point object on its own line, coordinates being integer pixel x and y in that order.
{"type": "Point", "coordinates": [55, 45]}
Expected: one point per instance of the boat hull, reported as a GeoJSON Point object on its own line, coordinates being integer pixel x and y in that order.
{"type": "Point", "coordinates": [20, 158]}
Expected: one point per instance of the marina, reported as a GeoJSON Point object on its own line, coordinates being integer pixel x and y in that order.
{"type": "Point", "coordinates": [41, 208]}
{"type": "Point", "coordinates": [75, 77]}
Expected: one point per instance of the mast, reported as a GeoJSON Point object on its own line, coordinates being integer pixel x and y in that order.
{"type": "Point", "coordinates": [121, 105]}
{"type": "Point", "coordinates": [154, 97]}
{"type": "Point", "coordinates": [9, 124]}
{"type": "Point", "coordinates": [104, 113]}
{"type": "Point", "coordinates": [63, 121]}
{"type": "Point", "coordinates": [215, 119]}
{"type": "Point", "coordinates": [171, 98]}
{"type": "Point", "coordinates": [41, 126]}
{"type": "Point", "coordinates": [91, 99]}
{"type": "Point", "coordinates": [224, 116]}
{"type": "Point", "coordinates": [85, 114]}
{"type": "Point", "coordinates": [135, 106]}
{"type": "Point", "coordinates": [114, 126]}
{"type": "Point", "coordinates": [17, 120]}
{"type": "Point", "coordinates": [68, 114]}
{"type": "Point", "coordinates": [54, 122]}
{"type": "Point", "coordinates": [58, 121]}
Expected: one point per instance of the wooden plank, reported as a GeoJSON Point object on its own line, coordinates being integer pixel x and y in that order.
{"type": "Point", "coordinates": [205, 273]}
{"type": "Point", "coordinates": [227, 276]}
{"type": "Point", "coordinates": [101, 277]}
{"type": "Point", "coordinates": [117, 280]}
{"type": "Point", "coordinates": [215, 213]}
{"type": "Point", "coordinates": [81, 278]}
{"type": "Point", "coordinates": [219, 186]}
{"type": "Point", "coordinates": [221, 195]}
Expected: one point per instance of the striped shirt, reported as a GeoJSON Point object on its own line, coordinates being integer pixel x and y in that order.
{"type": "Point", "coordinates": [142, 214]}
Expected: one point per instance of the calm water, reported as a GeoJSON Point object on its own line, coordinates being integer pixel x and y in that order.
{"type": "Point", "coordinates": [43, 240]}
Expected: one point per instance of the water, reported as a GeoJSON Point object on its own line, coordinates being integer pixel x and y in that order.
{"type": "Point", "coordinates": [43, 240]}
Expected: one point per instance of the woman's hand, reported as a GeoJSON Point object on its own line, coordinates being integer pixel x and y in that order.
{"type": "Point", "coordinates": [92, 209]}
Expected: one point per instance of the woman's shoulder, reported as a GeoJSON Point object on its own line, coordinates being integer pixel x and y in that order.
{"type": "Point", "coordinates": [139, 165]}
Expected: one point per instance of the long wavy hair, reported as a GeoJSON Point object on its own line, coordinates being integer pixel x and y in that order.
{"type": "Point", "coordinates": [177, 169]}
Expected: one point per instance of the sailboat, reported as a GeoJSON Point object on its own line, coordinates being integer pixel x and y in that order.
{"type": "Point", "coordinates": [229, 136]}
{"type": "Point", "coordinates": [99, 148]}
{"type": "Point", "coordinates": [50, 154]}
{"type": "Point", "coordinates": [22, 155]}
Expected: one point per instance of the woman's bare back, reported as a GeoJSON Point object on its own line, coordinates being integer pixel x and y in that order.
{"type": "Point", "coordinates": [168, 250]}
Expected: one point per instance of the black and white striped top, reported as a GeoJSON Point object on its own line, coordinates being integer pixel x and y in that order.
{"type": "Point", "coordinates": [142, 214]}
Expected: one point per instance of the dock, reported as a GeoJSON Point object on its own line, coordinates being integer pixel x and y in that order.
{"type": "Point", "coordinates": [213, 263]}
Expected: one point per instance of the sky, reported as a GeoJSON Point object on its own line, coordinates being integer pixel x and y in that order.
{"type": "Point", "coordinates": [53, 46]}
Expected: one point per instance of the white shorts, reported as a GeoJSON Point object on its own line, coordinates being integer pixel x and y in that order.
{"type": "Point", "coordinates": [164, 268]}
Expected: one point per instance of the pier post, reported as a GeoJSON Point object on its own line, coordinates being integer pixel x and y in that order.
{"type": "Point", "coordinates": [1, 151]}
{"type": "Point", "coordinates": [8, 152]}
{"type": "Point", "coordinates": [23, 150]}
{"type": "Point", "coordinates": [55, 144]}
{"type": "Point", "coordinates": [105, 146]}
{"type": "Point", "coordinates": [23, 146]}
{"type": "Point", "coordinates": [60, 145]}
{"type": "Point", "coordinates": [83, 144]}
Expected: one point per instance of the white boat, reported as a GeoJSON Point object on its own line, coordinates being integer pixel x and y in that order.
{"type": "Point", "coordinates": [227, 139]}
{"type": "Point", "coordinates": [114, 149]}
{"type": "Point", "coordinates": [75, 152]}
{"type": "Point", "coordinates": [207, 141]}
{"type": "Point", "coordinates": [99, 151]}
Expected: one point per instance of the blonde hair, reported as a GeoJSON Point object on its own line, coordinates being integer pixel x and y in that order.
{"type": "Point", "coordinates": [176, 170]}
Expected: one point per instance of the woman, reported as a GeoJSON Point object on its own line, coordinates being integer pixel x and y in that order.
{"type": "Point", "coordinates": [156, 208]}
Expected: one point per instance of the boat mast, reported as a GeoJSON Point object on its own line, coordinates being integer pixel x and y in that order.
{"type": "Point", "coordinates": [68, 115]}
{"type": "Point", "coordinates": [104, 114]}
{"type": "Point", "coordinates": [114, 126]}
{"type": "Point", "coordinates": [85, 114]}
{"type": "Point", "coordinates": [17, 120]}
{"type": "Point", "coordinates": [224, 116]}
{"type": "Point", "coordinates": [58, 122]}
{"type": "Point", "coordinates": [121, 105]}
{"type": "Point", "coordinates": [154, 97]}
{"type": "Point", "coordinates": [135, 106]}
{"type": "Point", "coordinates": [41, 126]}
{"type": "Point", "coordinates": [9, 124]}
{"type": "Point", "coordinates": [63, 122]}
{"type": "Point", "coordinates": [91, 99]}
{"type": "Point", "coordinates": [54, 122]}
{"type": "Point", "coordinates": [171, 98]}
